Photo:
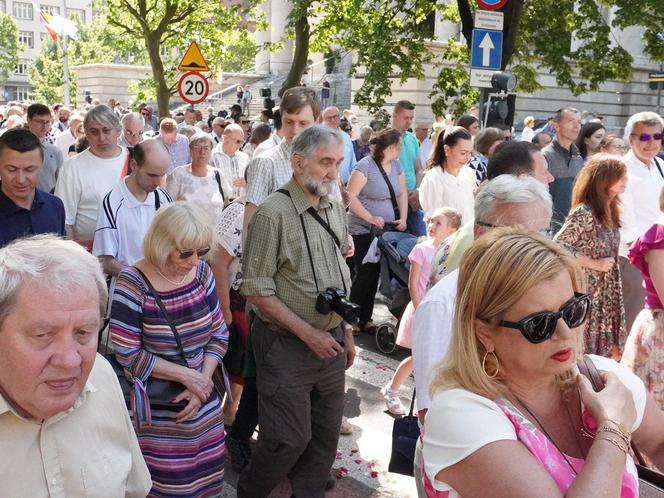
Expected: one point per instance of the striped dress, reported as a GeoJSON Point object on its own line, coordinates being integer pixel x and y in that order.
{"type": "Point", "coordinates": [187, 458]}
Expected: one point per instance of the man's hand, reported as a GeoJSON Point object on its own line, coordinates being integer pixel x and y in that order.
{"type": "Point", "coordinates": [322, 343]}
{"type": "Point", "coordinates": [349, 347]}
{"type": "Point", "coordinates": [414, 200]}
{"type": "Point", "coordinates": [350, 248]}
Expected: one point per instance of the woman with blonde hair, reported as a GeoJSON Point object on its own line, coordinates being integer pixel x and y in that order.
{"type": "Point", "coordinates": [510, 417]}
{"type": "Point", "coordinates": [644, 350]}
{"type": "Point", "coordinates": [528, 132]}
{"type": "Point", "coordinates": [166, 324]}
{"type": "Point", "coordinates": [591, 233]}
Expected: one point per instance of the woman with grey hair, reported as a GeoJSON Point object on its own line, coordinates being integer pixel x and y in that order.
{"type": "Point", "coordinates": [199, 182]}
{"type": "Point", "coordinates": [166, 323]}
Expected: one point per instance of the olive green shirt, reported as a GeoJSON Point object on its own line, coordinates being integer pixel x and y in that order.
{"type": "Point", "coordinates": [275, 261]}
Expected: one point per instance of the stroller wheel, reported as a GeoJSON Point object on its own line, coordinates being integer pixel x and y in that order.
{"type": "Point", "coordinates": [386, 338]}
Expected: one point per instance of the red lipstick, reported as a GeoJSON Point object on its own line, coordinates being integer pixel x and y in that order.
{"type": "Point", "coordinates": [563, 355]}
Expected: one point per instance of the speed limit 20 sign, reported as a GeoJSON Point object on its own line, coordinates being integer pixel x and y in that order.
{"type": "Point", "coordinates": [193, 87]}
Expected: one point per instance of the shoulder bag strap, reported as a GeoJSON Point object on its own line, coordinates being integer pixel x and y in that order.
{"type": "Point", "coordinates": [588, 368]}
{"type": "Point", "coordinates": [221, 191]}
{"type": "Point", "coordinates": [393, 197]}
{"type": "Point", "coordinates": [412, 404]}
{"type": "Point", "coordinates": [659, 168]}
{"type": "Point", "coordinates": [157, 201]}
{"type": "Point", "coordinates": [166, 315]}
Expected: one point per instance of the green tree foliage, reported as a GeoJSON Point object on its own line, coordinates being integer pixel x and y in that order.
{"type": "Point", "coordinates": [221, 30]}
{"type": "Point", "coordinates": [97, 42]}
{"type": "Point", "coordinates": [10, 47]}
{"type": "Point", "coordinates": [570, 40]}
{"type": "Point", "coordinates": [648, 14]}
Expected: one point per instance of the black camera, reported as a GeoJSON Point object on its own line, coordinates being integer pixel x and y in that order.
{"type": "Point", "coordinates": [333, 299]}
{"type": "Point", "coordinates": [266, 92]}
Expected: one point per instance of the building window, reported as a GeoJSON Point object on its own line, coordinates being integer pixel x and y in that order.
{"type": "Point", "coordinates": [50, 9]}
{"type": "Point", "coordinates": [22, 10]}
{"type": "Point", "coordinates": [3, 6]}
{"type": "Point", "coordinates": [22, 66]}
{"type": "Point", "coordinates": [74, 14]}
{"type": "Point", "coordinates": [164, 51]}
{"type": "Point", "coordinates": [18, 93]}
{"type": "Point", "coordinates": [27, 38]}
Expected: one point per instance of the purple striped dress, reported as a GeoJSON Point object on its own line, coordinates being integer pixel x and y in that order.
{"type": "Point", "coordinates": [187, 458]}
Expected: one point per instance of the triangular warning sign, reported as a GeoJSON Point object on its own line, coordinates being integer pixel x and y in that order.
{"type": "Point", "coordinates": [193, 59]}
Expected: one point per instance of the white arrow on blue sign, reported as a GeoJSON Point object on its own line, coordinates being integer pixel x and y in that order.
{"type": "Point", "coordinates": [487, 49]}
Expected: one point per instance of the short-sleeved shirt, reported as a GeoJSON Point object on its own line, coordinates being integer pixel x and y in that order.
{"type": "Point", "coordinates": [349, 162]}
{"type": "Point", "coordinates": [83, 182]}
{"type": "Point", "coordinates": [276, 261]}
{"type": "Point", "coordinates": [231, 167]}
{"type": "Point", "coordinates": [229, 236]}
{"type": "Point", "coordinates": [653, 239]}
{"type": "Point", "coordinates": [123, 222]}
{"type": "Point", "coordinates": [409, 153]}
{"type": "Point", "coordinates": [460, 422]}
{"type": "Point", "coordinates": [202, 190]}
{"type": "Point", "coordinates": [375, 196]}
{"type": "Point", "coordinates": [269, 171]}
{"type": "Point", "coordinates": [46, 215]}
{"type": "Point", "coordinates": [422, 254]}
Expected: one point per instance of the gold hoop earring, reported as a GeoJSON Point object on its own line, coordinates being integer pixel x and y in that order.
{"type": "Point", "coordinates": [495, 374]}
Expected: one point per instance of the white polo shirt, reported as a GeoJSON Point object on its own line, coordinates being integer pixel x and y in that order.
{"type": "Point", "coordinates": [640, 199]}
{"type": "Point", "coordinates": [123, 222]}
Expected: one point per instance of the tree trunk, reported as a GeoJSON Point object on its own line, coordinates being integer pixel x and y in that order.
{"type": "Point", "coordinates": [300, 55]}
{"type": "Point", "coordinates": [152, 41]}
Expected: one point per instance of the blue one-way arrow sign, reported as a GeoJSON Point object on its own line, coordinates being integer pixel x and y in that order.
{"type": "Point", "coordinates": [487, 49]}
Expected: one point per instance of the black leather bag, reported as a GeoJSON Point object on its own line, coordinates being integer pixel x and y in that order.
{"type": "Point", "coordinates": [651, 482]}
{"type": "Point", "coordinates": [234, 357]}
{"type": "Point", "coordinates": [405, 432]}
{"type": "Point", "coordinates": [161, 392]}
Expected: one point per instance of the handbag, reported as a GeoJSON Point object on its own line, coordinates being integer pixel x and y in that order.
{"type": "Point", "coordinates": [405, 432]}
{"type": "Point", "coordinates": [160, 392]}
{"type": "Point", "coordinates": [651, 482]}
{"type": "Point", "coordinates": [234, 357]}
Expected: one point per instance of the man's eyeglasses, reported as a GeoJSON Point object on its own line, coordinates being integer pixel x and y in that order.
{"type": "Point", "coordinates": [647, 137]}
{"type": "Point", "coordinates": [43, 122]}
{"type": "Point", "coordinates": [190, 252]}
{"type": "Point", "coordinates": [546, 232]}
{"type": "Point", "coordinates": [132, 134]}
{"type": "Point", "coordinates": [201, 147]}
{"type": "Point", "coordinates": [540, 326]}
{"type": "Point", "coordinates": [244, 121]}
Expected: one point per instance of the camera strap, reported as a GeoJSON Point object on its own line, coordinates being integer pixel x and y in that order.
{"type": "Point", "coordinates": [326, 225]}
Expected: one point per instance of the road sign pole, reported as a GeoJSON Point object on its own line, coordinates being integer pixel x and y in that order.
{"type": "Point", "coordinates": [659, 92]}
{"type": "Point", "coordinates": [480, 109]}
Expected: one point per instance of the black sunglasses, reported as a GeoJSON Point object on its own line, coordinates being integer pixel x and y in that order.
{"type": "Point", "coordinates": [190, 252]}
{"type": "Point", "coordinates": [647, 137]}
{"type": "Point", "coordinates": [540, 326]}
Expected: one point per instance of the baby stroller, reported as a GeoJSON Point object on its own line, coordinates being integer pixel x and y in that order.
{"type": "Point", "coordinates": [394, 287]}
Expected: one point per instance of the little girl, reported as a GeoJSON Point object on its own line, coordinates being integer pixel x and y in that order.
{"type": "Point", "coordinates": [442, 223]}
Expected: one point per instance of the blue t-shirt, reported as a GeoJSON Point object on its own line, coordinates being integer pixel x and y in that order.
{"type": "Point", "coordinates": [47, 215]}
{"type": "Point", "coordinates": [409, 153]}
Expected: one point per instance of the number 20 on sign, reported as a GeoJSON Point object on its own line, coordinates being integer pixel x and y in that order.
{"type": "Point", "coordinates": [193, 87]}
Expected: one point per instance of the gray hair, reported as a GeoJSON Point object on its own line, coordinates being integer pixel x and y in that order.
{"type": "Point", "coordinates": [77, 116]}
{"type": "Point", "coordinates": [233, 128]}
{"type": "Point", "coordinates": [200, 137]}
{"type": "Point", "coordinates": [58, 264]}
{"type": "Point", "coordinates": [103, 115]}
{"type": "Point", "coordinates": [510, 188]}
{"type": "Point", "coordinates": [218, 120]}
{"type": "Point", "coordinates": [307, 142]}
{"type": "Point", "coordinates": [647, 118]}
{"type": "Point", "coordinates": [132, 117]}
{"type": "Point", "coordinates": [559, 113]}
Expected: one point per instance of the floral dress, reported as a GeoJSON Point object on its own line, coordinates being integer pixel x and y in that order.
{"type": "Point", "coordinates": [583, 234]}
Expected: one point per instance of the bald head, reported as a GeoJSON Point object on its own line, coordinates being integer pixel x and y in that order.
{"type": "Point", "coordinates": [151, 150]}
{"type": "Point", "coordinates": [233, 139]}
{"type": "Point", "coordinates": [150, 164]}
{"type": "Point", "coordinates": [332, 117]}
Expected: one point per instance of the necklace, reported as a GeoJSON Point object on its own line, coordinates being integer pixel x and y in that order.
{"type": "Point", "coordinates": [546, 434]}
{"type": "Point", "coordinates": [171, 281]}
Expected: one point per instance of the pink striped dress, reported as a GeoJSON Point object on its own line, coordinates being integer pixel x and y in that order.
{"type": "Point", "coordinates": [186, 458]}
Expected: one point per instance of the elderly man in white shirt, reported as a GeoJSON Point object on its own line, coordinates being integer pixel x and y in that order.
{"type": "Point", "coordinates": [645, 179]}
{"type": "Point", "coordinates": [231, 161]}
{"type": "Point", "coordinates": [64, 425]}
{"type": "Point", "coordinates": [68, 136]}
{"type": "Point", "coordinates": [505, 200]}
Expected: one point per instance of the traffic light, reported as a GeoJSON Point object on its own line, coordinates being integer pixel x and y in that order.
{"type": "Point", "coordinates": [501, 109]}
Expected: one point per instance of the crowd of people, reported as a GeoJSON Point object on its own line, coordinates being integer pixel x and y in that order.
{"type": "Point", "coordinates": [223, 267]}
